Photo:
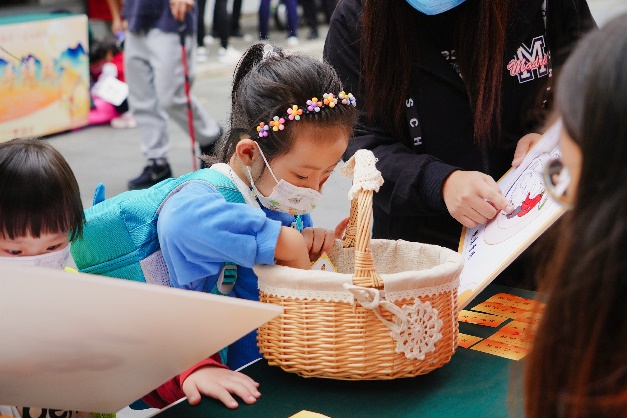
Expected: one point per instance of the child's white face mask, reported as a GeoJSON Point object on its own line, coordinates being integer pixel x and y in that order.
{"type": "Point", "coordinates": [286, 197]}
{"type": "Point", "coordinates": [54, 260]}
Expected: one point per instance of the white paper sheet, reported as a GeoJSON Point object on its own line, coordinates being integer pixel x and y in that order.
{"type": "Point", "coordinates": [96, 344]}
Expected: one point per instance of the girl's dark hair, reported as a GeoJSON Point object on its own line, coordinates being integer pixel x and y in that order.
{"type": "Point", "coordinates": [391, 29]}
{"type": "Point", "coordinates": [38, 191]}
{"type": "Point", "coordinates": [578, 365]}
{"type": "Point", "coordinates": [99, 49]}
{"type": "Point", "coordinates": [267, 87]}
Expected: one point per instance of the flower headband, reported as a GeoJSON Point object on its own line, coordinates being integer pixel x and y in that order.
{"type": "Point", "coordinates": [313, 106]}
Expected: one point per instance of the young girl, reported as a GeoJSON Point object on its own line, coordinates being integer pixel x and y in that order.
{"type": "Point", "coordinates": [106, 60]}
{"type": "Point", "coordinates": [290, 124]}
{"type": "Point", "coordinates": [578, 364]}
{"type": "Point", "coordinates": [40, 214]}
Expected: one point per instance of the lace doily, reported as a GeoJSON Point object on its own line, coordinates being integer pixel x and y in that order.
{"type": "Point", "coordinates": [418, 338]}
{"type": "Point", "coordinates": [361, 167]}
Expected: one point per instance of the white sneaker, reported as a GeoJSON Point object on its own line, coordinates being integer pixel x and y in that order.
{"type": "Point", "coordinates": [201, 54]}
{"type": "Point", "coordinates": [229, 55]}
{"type": "Point", "coordinates": [292, 41]}
{"type": "Point", "coordinates": [125, 121]}
{"type": "Point", "coordinates": [209, 40]}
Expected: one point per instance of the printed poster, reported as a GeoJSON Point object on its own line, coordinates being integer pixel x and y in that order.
{"type": "Point", "coordinates": [44, 76]}
{"type": "Point", "coordinates": [489, 249]}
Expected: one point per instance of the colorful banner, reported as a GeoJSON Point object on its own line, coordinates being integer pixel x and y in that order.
{"type": "Point", "coordinates": [44, 76]}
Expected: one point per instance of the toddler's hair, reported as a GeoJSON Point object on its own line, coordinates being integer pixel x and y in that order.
{"type": "Point", "coordinates": [38, 191]}
{"type": "Point", "coordinates": [267, 85]}
{"type": "Point", "coordinates": [99, 49]}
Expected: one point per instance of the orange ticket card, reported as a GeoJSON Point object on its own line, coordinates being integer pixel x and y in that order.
{"type": "Point", "coordinates": [500, 349]}
{"type": "Point", "coordinates": [495, 308]}
{"type": "Point", "coordinates": [465, 340]}
{"type": "Point", "coordinates": [529, 317]}
{"type": "Point", "coordinates": [508, 337]}
{"type": "Point", "coordinates": [481, 318]}
{"type": "Point", "coordinates": [519, 328]}
{"type": "Point", "coordinates": [518, 302]}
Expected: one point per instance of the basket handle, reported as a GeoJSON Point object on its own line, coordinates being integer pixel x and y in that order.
{"type": "Point", "coordinates": [366, 180]}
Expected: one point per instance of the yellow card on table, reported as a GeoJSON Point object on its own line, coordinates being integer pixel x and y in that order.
{"type": "Point", "coordinates": [479, 318]}
{"type": "Point", "coordinates": [500, 349]}
{"type": "Point", "coordinates": [517, 302]}
{"type": "Point", "coordinates": [495, 308]}
{"type": "Point", "coordinates": [323, 263]}
{"type": "Point", "coordinates": [465, 340]}
{"type": "Point", "coordinates": [308, 414]}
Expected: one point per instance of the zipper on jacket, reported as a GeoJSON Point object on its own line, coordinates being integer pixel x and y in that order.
{"type": "Point", "coordinates": [485, 162]}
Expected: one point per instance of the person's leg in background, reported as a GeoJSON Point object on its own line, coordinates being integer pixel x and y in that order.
{"type": "Point", "coordinates": [170, 83]}
{"type": "Point", "coordinates": [310, 12]}
{"type": "Point", "coordinates": [152, 120]}
{"type": "Point", "coordinates": [292, 22]}
{"type": "Point", "coordinates": [264, 18]}
{"type": "Point", "coordinates": [236, 14]}
{"type": "Point", "coordinates": [201, 51]}
{"type": "Point", "coordinates": [226, 54]}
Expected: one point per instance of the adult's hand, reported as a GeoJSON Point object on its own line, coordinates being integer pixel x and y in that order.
{"type": "Point", "coordinates": [180, 7]}
{"type": "Point", "coordinates": [473, 198]}
{"type": "Point", "coordinates": [523, 146]}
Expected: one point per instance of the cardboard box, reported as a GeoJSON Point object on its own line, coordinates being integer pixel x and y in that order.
{"type": "Point", "coordinates": [44, 74]}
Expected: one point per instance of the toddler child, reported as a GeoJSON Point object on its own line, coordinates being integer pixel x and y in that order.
{"type": "Point", "coordinates": [40, 214]}
{"type": "Point", "coordinates": [106, 60]}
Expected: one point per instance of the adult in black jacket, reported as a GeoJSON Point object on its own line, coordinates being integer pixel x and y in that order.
{"type": "Point", "coordinates": [445, 99]}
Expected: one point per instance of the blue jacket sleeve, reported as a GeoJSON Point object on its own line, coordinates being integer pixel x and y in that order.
{"type": "Point", "coordinates": [199, 231]}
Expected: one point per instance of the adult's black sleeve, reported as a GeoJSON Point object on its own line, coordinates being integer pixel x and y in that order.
{"type": "Point", "coordinates": [412, 182]}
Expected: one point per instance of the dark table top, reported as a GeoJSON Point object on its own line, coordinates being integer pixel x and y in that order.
{"type": "Point", "coordinates": [472, 384]}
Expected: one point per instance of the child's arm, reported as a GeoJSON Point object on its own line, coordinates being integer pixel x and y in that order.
{"type": "Point", "coordinates": [291, 249]}
{"type": "Point", "coordinates": [210, 378]}
{"type": "Point", "coordinates": [320, 240]}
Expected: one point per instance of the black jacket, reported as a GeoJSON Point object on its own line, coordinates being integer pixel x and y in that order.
{"type": "Point", "coordinates": [410, 205]}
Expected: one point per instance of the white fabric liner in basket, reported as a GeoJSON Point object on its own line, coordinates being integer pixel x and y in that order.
{"type": "Point", "coordinates": [408, 270]}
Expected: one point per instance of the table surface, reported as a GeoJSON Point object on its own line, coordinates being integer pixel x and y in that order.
{"type": "Point", "coordinates": [472, 384]}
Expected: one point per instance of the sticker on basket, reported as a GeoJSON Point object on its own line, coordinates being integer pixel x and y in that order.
{"type": "Point", "coordinates": [479, 318]}
{"type": "Point", "coordinates": [465, 340]}
{"type": "Point", "coordinates": [323, 263]}
{"type": "Point", "coordinates": [498, 309]}
{"type": "Point", "coordinates": [517, 302]}
{"type": "Point", "coordinates": [308, 414]}
{"type": "Point", "coordinates": [500, 349]}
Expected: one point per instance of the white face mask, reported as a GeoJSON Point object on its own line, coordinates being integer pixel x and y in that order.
{"type": "Point", "coordinates": [286, 197]}
{"type": "Point", "coordinates": [54, 260]}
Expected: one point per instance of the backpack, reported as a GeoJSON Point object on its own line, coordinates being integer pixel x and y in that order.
{"type": "Point", "coordinates": [120, 234]}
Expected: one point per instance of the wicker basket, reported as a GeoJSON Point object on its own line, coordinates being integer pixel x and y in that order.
{"type": "Point", "coordinates": [362, 326]}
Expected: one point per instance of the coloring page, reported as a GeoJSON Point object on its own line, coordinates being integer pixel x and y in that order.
{"type": "Point", "coordinates": [489, 249]}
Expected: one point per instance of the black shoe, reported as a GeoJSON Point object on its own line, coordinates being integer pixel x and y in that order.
{"type": "Point", "coordinates": [153, 173]}
{"type": "Point", "coordinates": [313, 34]}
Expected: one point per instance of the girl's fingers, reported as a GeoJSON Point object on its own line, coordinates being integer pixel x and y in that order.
{"type": "Point", "coordinates": [192, 394]}
{"type": "Point", "coordinates": [340, 228]}
{"type": "Point", "coordinates": [329, 241]}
